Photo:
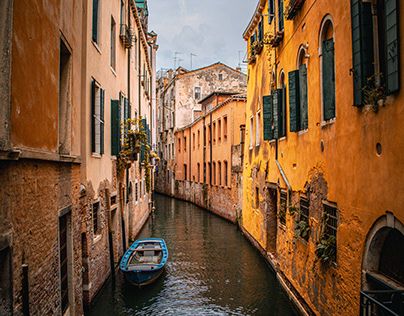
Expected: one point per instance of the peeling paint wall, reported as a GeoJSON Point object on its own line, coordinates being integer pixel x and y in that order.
{"type": "Point", "coordinates": [334, 162]}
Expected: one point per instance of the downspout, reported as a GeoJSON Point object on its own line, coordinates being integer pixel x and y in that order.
{"type": "Point", "coordinates": [278, 164]}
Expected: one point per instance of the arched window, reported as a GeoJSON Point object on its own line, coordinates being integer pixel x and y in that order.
{"type": "Point", "coordinates": [282, 105]}
{"type": "Point", "coordinates": [327, 62]}
{"type": "Point", "coordinates": [304, 109]}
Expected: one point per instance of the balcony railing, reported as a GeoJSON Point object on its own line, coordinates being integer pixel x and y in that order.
{"type": "Point", "coordinates": [382, 303]}
{"type": "Point", "coordinates": [293, 8]}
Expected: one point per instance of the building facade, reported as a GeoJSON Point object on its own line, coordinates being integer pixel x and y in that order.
{"type": "Point", "coordinates": [209, 156]}
{"type": "Point", "coordinates": [323, 150]}
{"type": "Point", "coordinates": [75, 189]}
{"type": "Point", "coordinates": [179, 93]}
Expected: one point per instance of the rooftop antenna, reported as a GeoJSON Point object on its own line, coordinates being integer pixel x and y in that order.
{"type": "Point", "coordinates": [192, 55]}
{"type": "Point", "coordinates": [179, 61]}
{"type": "Point", "coordinates": [239, 58]}
{"type": "Point", "coordinates": [176, 59]}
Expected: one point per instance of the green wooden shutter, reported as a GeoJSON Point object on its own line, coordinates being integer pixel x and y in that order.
{"type": "Point", "coordinates": [304, 112]}
{"type": "Point", "coordinates": [102, 118]}
{"type": "Point", "coordinates": [115, 128]}
{"type": "Point", "coordinates": [275, 111]}
{"type": "Point", "coordinates": [260, 31]}
{"type": "Point", "coordinates": [362, 47]}
{"type": "Point", "coordinates": [267, 118]}
{"type": "Point", "coordinates": [125, 115]}
{"type": "Point", "coordinates": [280, 15]}
{"type": "Point", "coordinates": [294, 101]}
{"type": "Point", "coordinates": [271, 11]}
{"type": "Point", "coordinates": [328, 79]}
{"type": "Point", "coordinates": [143, 149]}
{"type": "Point", "coordinates": [93, 116]}
{"type": "Point", "coordinates": [393, 47]}
{"type": "Point", "coordinates": [95, 21]}
{"type": "Point", "coordinates": [282, 112]}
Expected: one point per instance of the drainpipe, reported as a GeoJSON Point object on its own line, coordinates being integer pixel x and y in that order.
{"type": "Point", "coordinates": [25, 290]}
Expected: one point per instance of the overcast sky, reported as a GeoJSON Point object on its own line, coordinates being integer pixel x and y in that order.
{"type": "Point", "coordinates": [211, 29]}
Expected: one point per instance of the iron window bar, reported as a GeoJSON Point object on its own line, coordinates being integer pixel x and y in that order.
{"type": "Point", "coordinates": [384, 303]}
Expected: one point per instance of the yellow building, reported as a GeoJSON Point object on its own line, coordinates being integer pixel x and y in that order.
{"type": "Point", "coordinates": [324, 149]}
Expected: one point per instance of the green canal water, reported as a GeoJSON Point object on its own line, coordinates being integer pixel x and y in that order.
{"type": "Point", "coordinates": [212, 270]}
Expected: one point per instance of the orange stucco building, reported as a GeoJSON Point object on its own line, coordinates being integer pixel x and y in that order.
{"type": "Point", "coordinates": [208, 155]}
{"type": "Point", "coordinates": [324, 150]}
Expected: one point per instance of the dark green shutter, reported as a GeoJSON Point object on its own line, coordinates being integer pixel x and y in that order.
{"type": "Point", "coordinates": [328, 79]}
{"type": "Point", "coordinates": [143, 149]}
{"type": "Point", "coordinates": [294, 101]}
{"type": "Point", "coordinates": [362, 47]}
{"type": "Point", "coordinates": [260, 31]}
{"type": "Point", "coordinates": [267, 111]}
{"type": "Point", "coordinates": [115, 128]}
{"type": "Point", "coordinates": [275, 111]}
{"type": "Point", "coordinates": [125, 115]}
{"type": "Point", "coordinates": [304, 111]}
{"type": "Point", "coordinates": [282, 112]}
{"type": "Point", "coordinates": [102, 121]}
{"type": "Point", "coordinates": [393, 47]}
{"type": "Point", "coordinates": [93, 116]}
{"type": "Point", "coordinates": [95, 21]}
{"type": "Point", "coordinates": [271, 11]}
{"type": "Point", "coordinates": [280, 15]}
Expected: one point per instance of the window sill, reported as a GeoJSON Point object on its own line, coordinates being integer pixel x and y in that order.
{"type": "Point", "coordinates": [113, 71]}
{"type": "Point", "coordinates": [302, 132]}
{"type": "Point", "coordinates": [96, 155]}
{"type": "Point", "coordinates": [97, 238]}
{"type": "Point", "coordinates": [328, 122]}
{"type": "Point", "coordinates": [96, 47]}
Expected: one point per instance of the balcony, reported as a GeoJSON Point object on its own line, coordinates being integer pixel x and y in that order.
{"type": "Point", "coordinates": [383, 303]}
{"type": "Point", "coordinates": [126, 36]}
{"type": "Point", "coordinates": [293, 8]}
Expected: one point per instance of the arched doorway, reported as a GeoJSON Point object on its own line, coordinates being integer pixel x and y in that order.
{"type": "Point", "coordinates": [383, 268]}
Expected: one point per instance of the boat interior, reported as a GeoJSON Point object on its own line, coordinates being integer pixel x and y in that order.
{"type": "Point", "coordinates": [147, 253]}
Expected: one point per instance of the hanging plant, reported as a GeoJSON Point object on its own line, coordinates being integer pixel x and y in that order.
{"type": "Point", "coordinates": [302, 229]}
{"type": "Point", "coordinates": [135, 137]}
{"type": "Point", "coordinates": [326, 246]}
{"type": "Point", "coordinates": [374, 92]}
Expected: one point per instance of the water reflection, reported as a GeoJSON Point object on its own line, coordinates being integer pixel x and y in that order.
{"type": "Point", "coordinates": [212, 270]}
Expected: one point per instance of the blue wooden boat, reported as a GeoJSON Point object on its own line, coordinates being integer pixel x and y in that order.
{"type": "Point", "coordinates": [144, 261]}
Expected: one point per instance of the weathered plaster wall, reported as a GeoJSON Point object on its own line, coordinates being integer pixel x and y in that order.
{"type": "Point", "coordinates": [348, 171]}
{"type": "Point", "coordinates": [43, 189]}
{"type": "Point", "coordinates": [208, 80]}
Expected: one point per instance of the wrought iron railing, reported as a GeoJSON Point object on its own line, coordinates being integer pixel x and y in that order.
{"type": "Point", "coordinates": [382, 303]}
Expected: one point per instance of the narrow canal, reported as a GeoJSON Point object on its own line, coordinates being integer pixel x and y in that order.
{"type": "Point", "coordinates": [212, 270]}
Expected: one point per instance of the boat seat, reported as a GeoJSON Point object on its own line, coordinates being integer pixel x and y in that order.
{"type": "Point", "coordinates": [149, 259]}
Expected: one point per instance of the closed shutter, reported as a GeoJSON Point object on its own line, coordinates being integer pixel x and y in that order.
{"type": "Point", "coordinates": [362, 47]}
{"type": "Point", "coordinates": [267, 112]}
{"type": "Point", "coordinates": [143, 149]}
{"type": "Point", "coordinates": [275, 111]}
{"type": "Point", "coordinates": [280, 14]}
{"type": "Point", "coordinates": [260, 31]}
{"type": "Point", "coordinates": [304, 115]}
{"type": "Point", "coordinates": [126, 115]}
{"type": "Point", "coordinates": [95, 21]}
{"type": "Point", "coordinates": [93, 116]}
{"type": "Point", "coordinates": [294, 101]}
{"type": "Point", "coordinates": [115, 128]}
{"type": "Point", "coordinates": [393, 46]}
{"type": "Point", "coordinates": [102, 122]}
{"type": "Point", "coordinates": [328, 79]}
{"type": "Point", "coordinates": [282, 112]}
{"type": "Point", "coordinates": [271, 11]}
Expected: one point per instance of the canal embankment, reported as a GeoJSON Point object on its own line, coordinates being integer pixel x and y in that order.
{"type": "Point", "coordinates": [212, 270]}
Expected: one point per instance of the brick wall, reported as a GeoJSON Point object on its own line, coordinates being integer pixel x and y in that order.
{"type": "Point", "coordinates": [34, 194]}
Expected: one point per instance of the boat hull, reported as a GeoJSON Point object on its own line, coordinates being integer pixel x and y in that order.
{"type": "Point", "coordinates": [139, 273]}
{"type": "Point", "coordinates": [141, 278]}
